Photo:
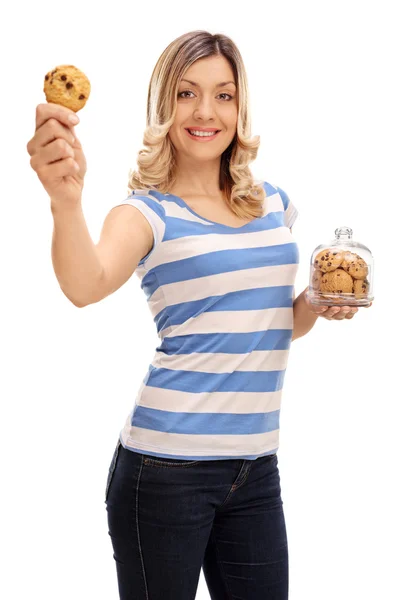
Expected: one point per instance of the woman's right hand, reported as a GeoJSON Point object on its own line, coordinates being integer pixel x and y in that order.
{"type": "Point", "coordinates": [55, 153]}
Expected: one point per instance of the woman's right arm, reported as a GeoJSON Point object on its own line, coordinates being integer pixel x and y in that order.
{"type": "Point", "coordinates": [86, 272]}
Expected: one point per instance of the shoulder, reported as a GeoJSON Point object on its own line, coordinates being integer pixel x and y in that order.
{"type": "Point", "coordinates": [151, 198]}
{"type": "Point", "coordinates": [282, 202]}
{"type": "Point", "coordinates": [284, 196]}
{"type": "Point", "coordinates": [272, 189]}
{"type": "Point", "coordinates": [280, 197]}
{"type": "Point", "coordinates": [269, 188]}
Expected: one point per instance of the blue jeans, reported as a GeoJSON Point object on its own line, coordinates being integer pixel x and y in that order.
{"type": "Point", "coordinates": [169, 518]}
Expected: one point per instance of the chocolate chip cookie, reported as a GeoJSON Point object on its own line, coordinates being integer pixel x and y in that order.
{"type": "Point", "coordinates": [68, 86]}
{"type": "Point", "coordinates": [361, 287]}
{"type": "Point", "coordinates": [328, 260]}
{"type": "Point", "coordinates": [337, 282]}
{"type": "Point", "coordinates": [354, 265]}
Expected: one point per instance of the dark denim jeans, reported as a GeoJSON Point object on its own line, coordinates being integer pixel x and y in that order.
{"type": "Point", "coordinates": [169, 518]}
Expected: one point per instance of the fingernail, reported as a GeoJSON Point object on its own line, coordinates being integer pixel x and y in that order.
{"type": "Point", "coordinates": [73, 119]}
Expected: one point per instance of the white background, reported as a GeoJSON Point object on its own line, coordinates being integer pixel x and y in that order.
{"type": "Point", "coordinates": [325, 100]}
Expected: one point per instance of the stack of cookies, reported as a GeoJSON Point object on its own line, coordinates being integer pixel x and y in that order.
{"type": "Point", "coordinates": [339, 272]}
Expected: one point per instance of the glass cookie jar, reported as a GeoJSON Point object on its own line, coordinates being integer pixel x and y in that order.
{"type": "Point", "coordinates": [341, 272]}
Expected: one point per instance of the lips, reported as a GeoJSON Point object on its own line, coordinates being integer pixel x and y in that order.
{"type": "Point", "coordinates": [203, 139]}
{"type": "Point", "coordinates": [206, 130]}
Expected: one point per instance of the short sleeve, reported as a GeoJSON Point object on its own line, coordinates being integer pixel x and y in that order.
{"type": "Point", "coordinates": [291, 212]}
{"type": "Point", "coordinates": [152, 209]}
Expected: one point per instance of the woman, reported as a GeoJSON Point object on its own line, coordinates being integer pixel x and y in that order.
{"type": "Point", "coordinates": [194, 479]}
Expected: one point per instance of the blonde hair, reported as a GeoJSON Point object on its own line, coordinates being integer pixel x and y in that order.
{"type": "Point", "coordinates": [156, 163]}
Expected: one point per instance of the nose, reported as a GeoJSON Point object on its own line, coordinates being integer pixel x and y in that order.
{"type": "Point", "coordinates": [204, 109]}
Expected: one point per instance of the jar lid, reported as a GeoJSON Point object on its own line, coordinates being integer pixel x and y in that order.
{"type": "Point", "coordinates": [344, 232]}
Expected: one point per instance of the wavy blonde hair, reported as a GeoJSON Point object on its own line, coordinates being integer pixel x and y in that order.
{"type": "Point", "coordinates": [156, 162]}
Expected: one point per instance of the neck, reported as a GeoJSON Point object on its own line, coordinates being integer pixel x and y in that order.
{"type": "Point", "coordinates": [197, 179]}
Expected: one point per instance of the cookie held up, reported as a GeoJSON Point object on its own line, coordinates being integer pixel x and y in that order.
{"type": "Point", "coordinates": [68, 86]}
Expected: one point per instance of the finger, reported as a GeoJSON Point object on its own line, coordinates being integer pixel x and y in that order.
{"type": "Point", "coordinates": [49, 110]}
{"type": "Point", "coordinates": [62, 168]}
{"type": "Point", "coordinates": [347, 312]}
{"type": "Point", "coordinates": [319, 309]}
{"type": "Point", "coordinates": [50, 131]}
{"type": "Point", "coordinates": [344, 311]}
{"type": "Point", "coordinates": [53, 152]}
{"type": "Point", "coordinates": [331, 312]}
{"type": "Point", "coordinates": [339, 315]}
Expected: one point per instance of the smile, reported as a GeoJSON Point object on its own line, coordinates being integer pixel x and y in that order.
{"type": "Point", "coordinates": [203, 137]}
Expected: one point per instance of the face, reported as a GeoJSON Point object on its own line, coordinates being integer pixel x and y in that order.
{"type": "Point", "coordinates": [204, 106]}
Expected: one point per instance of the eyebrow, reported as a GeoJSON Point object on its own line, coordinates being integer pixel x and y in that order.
{"type": "Point", "coordinates": [223, 84]}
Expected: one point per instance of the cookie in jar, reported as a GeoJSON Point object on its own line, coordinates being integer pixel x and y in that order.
{"type": "Point", "coordinates": [341, 272]}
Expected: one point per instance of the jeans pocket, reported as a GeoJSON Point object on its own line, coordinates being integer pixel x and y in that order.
{"type": "Point", "coordinates": [112, 468]}
{"type": "Point", "coordinates": [168, 462]}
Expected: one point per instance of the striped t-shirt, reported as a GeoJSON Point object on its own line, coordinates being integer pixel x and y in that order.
{"type": "Point", "coordinates": [222, 301]}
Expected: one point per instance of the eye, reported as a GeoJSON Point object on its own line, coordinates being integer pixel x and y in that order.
{"type": "Point", "coordinates": [225, 94]}
{"type": "Point", "coordinates": [190, 92]}
{"type": "Point", "coordinates": [185, 92]}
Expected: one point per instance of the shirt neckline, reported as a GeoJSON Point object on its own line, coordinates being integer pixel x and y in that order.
{"type": "Point", "coordinates": [208, 220]}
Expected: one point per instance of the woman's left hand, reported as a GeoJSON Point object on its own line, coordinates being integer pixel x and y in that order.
{"type": "Point", "coordinates": [332, 313]}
